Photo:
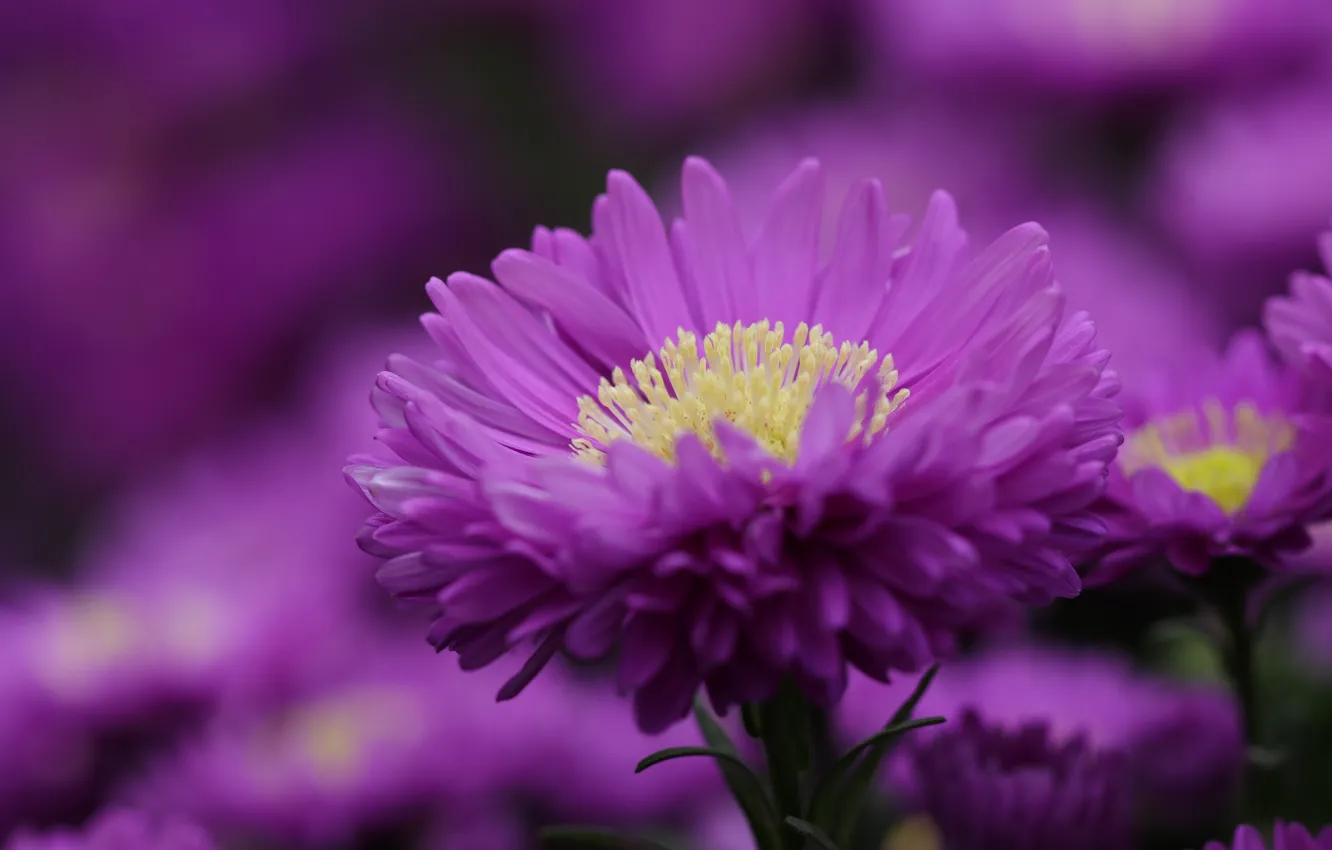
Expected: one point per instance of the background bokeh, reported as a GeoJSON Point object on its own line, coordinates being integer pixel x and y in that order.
{"type": "Point", "coordinates": [217, 219]}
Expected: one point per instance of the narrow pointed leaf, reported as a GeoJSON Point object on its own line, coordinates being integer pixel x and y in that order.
{"type": "Point", "coordinates": [906, 709]}
{"type": "Point", "coordinates": [811, 832]}
{"type": "Point", "coordinates": [824, 808]}
{"type": "Point", "coordinates": [592, 838]}
{"type": "Point", "coordinates": [672, 753]}
{"type": "Point", "coordinates": [843, 803]}
{"type": "Point", "coordinates": [744, 784]}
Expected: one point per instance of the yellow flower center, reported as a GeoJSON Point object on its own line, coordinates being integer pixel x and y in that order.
{"type": "Point", "coordinates": [338, 735]}
{"type": "Point", "coordinates": [90, 636]}
{"type": "Point", "coordinates": [914, 833]}
{"type": "Point", "coordinates": [748, 375]}
{"type": "Point", "coordinates": [1214, 452]}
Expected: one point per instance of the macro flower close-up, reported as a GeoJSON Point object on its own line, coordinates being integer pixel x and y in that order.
{"type": "Point", "coordinates": [828, 425]}
{"type": "Point", "coordinates": [1219, 459]}
{"type": "Point", "coordinates": [742, 505]}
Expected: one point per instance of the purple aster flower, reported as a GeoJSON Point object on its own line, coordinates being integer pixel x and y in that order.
{"type": "Point", "coordinates": [1096, 46]}
{"type": "Point", "coordinates": [912, 149]}
{"type": "Point", "coordinates": [186, 600]}
{"type": "Point", "coordinates": [118, 830]}
{"type": "Point", "coordinates": [1300, 324]}
{"type": "Point", "coordinates": [758, 499]}
{"type": "Point", "coordinates": [645, 66]}
{"type": "Point", "coordinates": [987, 788]}
{"type": "Point", "coordinates": [1242, 185]}
{"type": "Point", "coordinates": [1182, 743]}
{"type": "Point", "coordinates": [1217, 460]}
{"type": "Point", "coordinates": [1285, 836]}
{"type": "Point", "coordinates": [101, 342]}
{"type": "Point", "coordinates": [580, 747]}
{"type": "Point", "coordinates": [482, 829]}
{"type": "Point", "coordinates": [360, 745]}
{"type": "Point", "coordinates": [1146, 310]}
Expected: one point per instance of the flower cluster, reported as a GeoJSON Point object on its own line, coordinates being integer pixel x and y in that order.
{"type": "Point", "coordinates": [931, 460]}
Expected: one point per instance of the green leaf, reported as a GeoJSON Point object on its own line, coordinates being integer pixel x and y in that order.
{"type": "Point", "coordinates": [745, 786]}
{"type": "Point", "coordinates": [906, 709]}
{"type": "Point", "coordinates": [824, 808]}
{"type": "Point", "coordinates": [592, 838]}
{"type": "Point", "coordinates": [840, 805]}
{"type": "Point", "coordinates": [749, 715]}
{"type": "Point", "coordinates": [811, 832]}
{"type": "Point", "coordinates": [671, 753]}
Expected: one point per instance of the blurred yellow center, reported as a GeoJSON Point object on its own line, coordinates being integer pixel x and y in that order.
{"type": "Point", "coordinates": [1215, 452]}
{"type": "Point", "coordinates": [90, 635]}
{"type": "Point", "coordinates": [748, 375]}
{"type": "Point", "coordinates": [914, 833]}
{"type": "Point", "coordinates": [338, 735]}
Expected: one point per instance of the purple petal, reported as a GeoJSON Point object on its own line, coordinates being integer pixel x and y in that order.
{"type": "Point", "coordinates": [649, 271]}
{"type": "Point", "coordinates": [857, 278]}
{"type": "Point", "coordinates": [716, 250]}
{"type": "Point", "coordinates": [598, 325]}
{"type": "Point", "coordinates": [786, 252]}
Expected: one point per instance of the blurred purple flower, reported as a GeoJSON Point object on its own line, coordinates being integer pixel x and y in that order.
{"type": "Point", "coordinates": [1182, 743]}
{"type": "Point", "coordinates": [1217, 460]}
{"type": "Point", "coordinates": [479, 829]}
{"type": "Point", "coordinates": [1146, 312]}
{"type": "Point", "coordinates": [1300, 325]}
{"type": "Point", "coordinates": [912, 149]}
{"type": "Point", "coordinates": [987, 788]}
{"type": "Point", "coordinates": [118, 830]}
{"type": "Point", "coordinates": [382, 735]}
{"type": "Point", "coordinates": [583, 747]}
{"type": "Point", "coordinates": [625, 529]}
{"type": "Point", "coordinates": [646, 67]}
{"type": "Point", "coordinates": [1243, 186]}
{"type": "Point", "coordinates": [181, 55]}
{"type": "Point", "coordinates": [143, 302]}
{"type": "Point", "coordinates": [1098, 46]}
{"type": "Point", "coordinates": [1285, 836]}
{"type": "Point", "coordinates": [187, 597]}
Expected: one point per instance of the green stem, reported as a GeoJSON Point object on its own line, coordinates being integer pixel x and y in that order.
{"type": "Point", "coordinates": [1228, 588]}
{"type": "Point", "coordinates": [785, 728]}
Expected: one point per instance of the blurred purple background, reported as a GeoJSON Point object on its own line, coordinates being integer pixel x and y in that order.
{"type": "Point", "coordinates": [217, 219]}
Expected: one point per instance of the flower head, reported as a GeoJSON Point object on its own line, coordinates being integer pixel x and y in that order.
{"type": "Point", "coordinates": [1300, 324]}
{"type": "Point", "coordinates": [1182, 744]}
{"type": "Point", "coordinates": [117, 830]}
{"type": "Point", "coordinates": [1285, 836]}
{"type": "Point", "coordinates": [1241, 184]}
{"type": "Point", "coordinates": [985, 788]}
{"type": "Point", "coordinates": [1089, 46]}
{"type": "Point", "coordinates": [739, 457]}
{"type": "Point", "coordinates": [360, 744]}
{"type": "Point", "coordinates": [1217, 460]}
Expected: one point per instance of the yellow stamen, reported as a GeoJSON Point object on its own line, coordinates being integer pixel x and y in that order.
{"type": "Point", "coordinates": [1214, 452]}
{"type": "Point", "coordinates": [746, 374]}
